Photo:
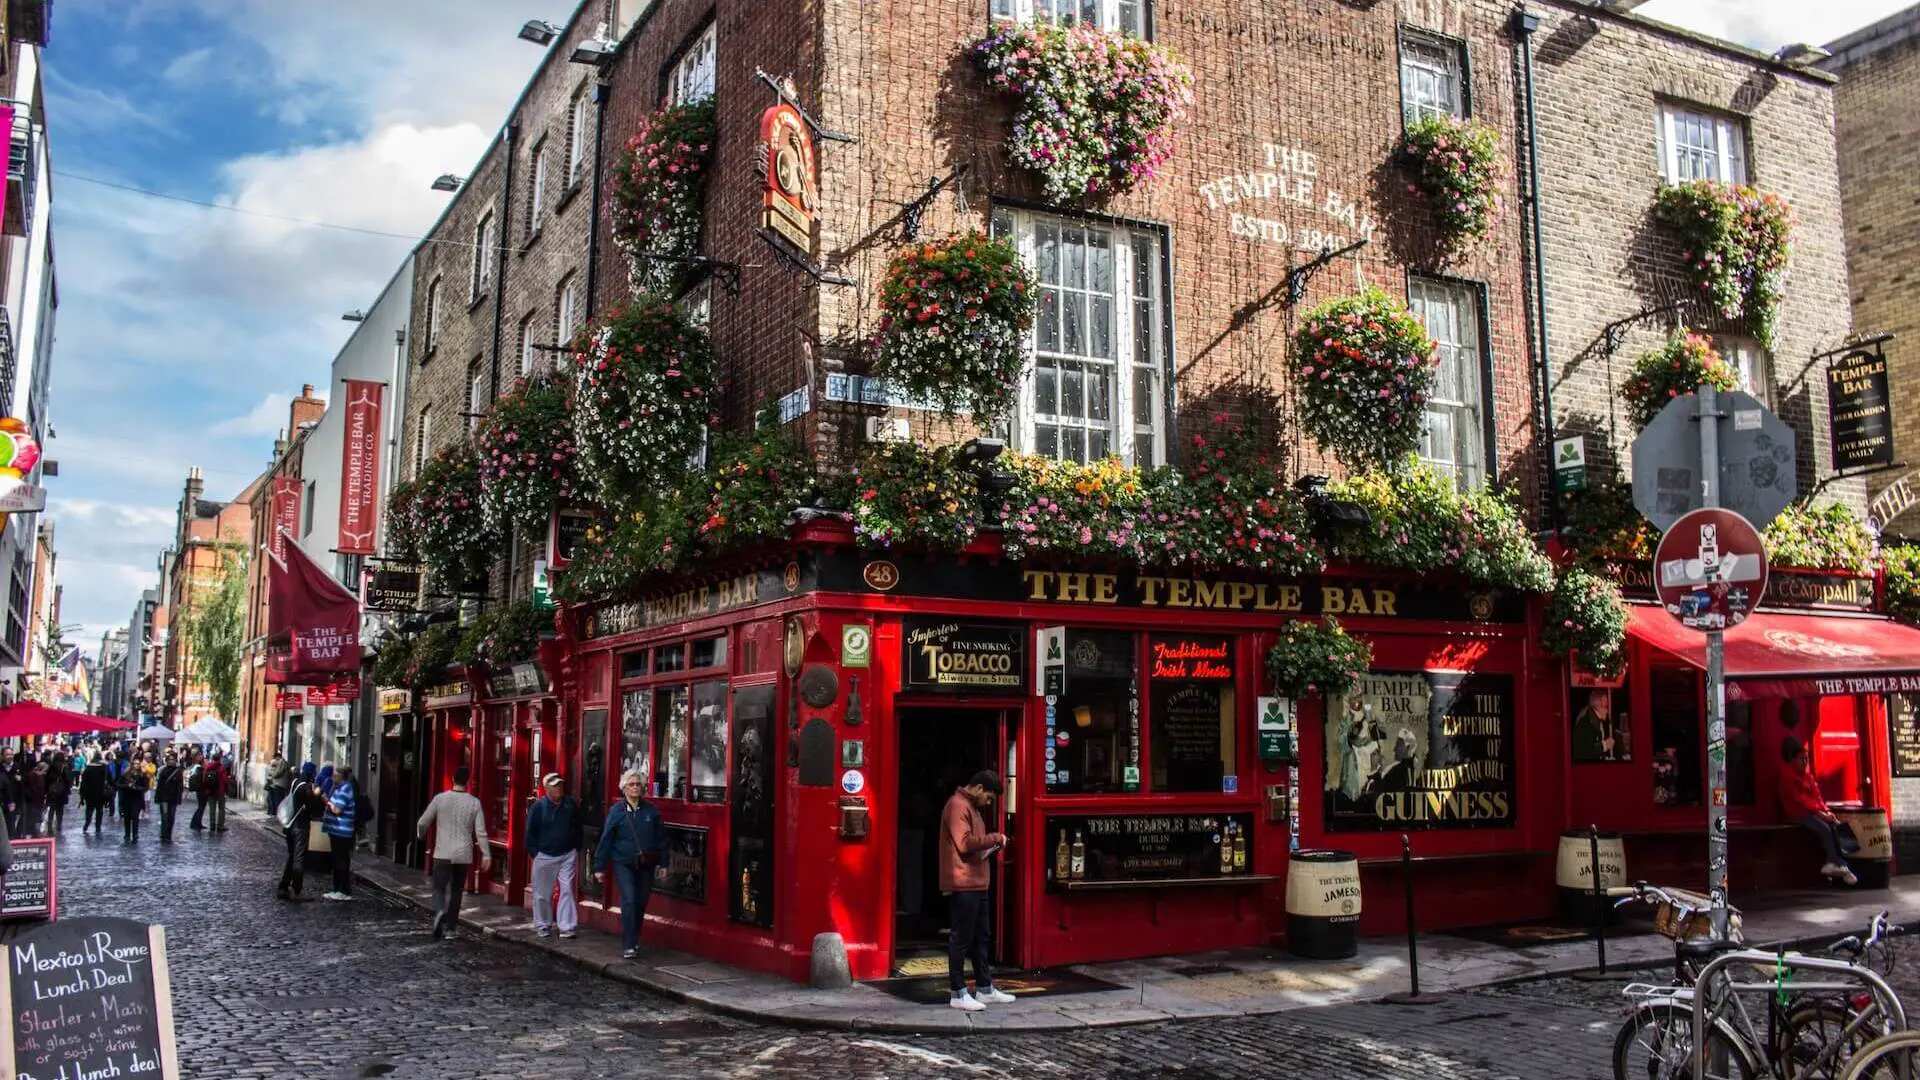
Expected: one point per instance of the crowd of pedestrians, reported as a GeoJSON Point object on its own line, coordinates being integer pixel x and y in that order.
{"type": "Point", "coordinates": [126, 780]}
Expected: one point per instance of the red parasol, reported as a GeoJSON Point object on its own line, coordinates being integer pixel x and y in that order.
{"type": "Point", "coordinates": [32, 718]}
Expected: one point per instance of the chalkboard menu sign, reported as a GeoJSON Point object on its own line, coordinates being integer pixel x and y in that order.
{"type": "Point", "coordinates": [29, 891]}
{"type": "Point", "coordinates": [683, 873]}
{"type": "Point", "coordinates": [1147, 847]}
{"type": "Point", "coordinates": [1903, 717]}
{"type": "Point", "coordinates": [1421, 750]}
{"type": "Point", "coordinates": [86, 998]}
{"type": "Point", "coordinates": [955, 657]}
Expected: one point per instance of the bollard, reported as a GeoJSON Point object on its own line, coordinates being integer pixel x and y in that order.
{"type": "Point", "coordinates": [1599, 906]}
{"type": "Point", "coordinates": [1413, 996]}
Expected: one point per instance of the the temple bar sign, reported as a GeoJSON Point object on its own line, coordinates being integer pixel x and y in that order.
{"type": "Point", "coordinates": [1859, 412]}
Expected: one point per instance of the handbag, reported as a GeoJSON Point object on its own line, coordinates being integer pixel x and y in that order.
{"type": "Point", "coordinates": [284, 813]}
{"type": "Point", "coordinates": [317, 838]}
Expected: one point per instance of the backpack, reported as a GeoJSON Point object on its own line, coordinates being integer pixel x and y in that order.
{"type": "Point", "coordinates": [362, 809]}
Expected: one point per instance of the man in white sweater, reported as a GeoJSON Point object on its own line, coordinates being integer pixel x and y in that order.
{"type": "Point", "coordinates": [459, 840]}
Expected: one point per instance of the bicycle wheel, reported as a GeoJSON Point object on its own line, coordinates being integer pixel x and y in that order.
{"type": "Point", "coordinates": [1889, 1057]}
{"type": "Point", "coordinates": [1815, 1041]}
{"type": "Point", "coordinates": [1656, 1043]}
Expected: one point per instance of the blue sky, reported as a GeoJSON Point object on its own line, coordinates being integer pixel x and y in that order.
{"type": "Point", "coordinates": [183, 331]}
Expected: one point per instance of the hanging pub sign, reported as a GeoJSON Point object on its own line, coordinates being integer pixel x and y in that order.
{"type": "Point", "coordinates": [393, 589]}
{"type": "Point", "coordinates": [792, 192]}
{"type": "Point", "coordinates": [1421, 750]}
{"type": "Point", "coordinates": [950, 656]}
{"type": "Point", "coordinates": [1859, 411]}
{"type": "Point", "coordinates": [360, 469]}
{"type": "Point", "coordinates": [286, 514]}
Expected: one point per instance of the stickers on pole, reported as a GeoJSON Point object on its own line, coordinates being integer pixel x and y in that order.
{"type": "Point", "coordinates": [1710, 570]}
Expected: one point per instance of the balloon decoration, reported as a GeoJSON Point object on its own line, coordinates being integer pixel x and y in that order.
{"type": "Point", "coordinates": [19, 452]}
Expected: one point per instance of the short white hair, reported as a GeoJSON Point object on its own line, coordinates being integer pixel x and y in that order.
{"type": "Point", "coordinates": [634, 775]}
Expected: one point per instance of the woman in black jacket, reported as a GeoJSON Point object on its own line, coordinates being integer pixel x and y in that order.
{"type": "Point", "coordinates": [133, 799]}
{"type": "Point", "coordinates": [94, 793]}
{"type": "Point", "coordinates": [59, 789]}
{"type": "Point", "coordinates": [167, 789]}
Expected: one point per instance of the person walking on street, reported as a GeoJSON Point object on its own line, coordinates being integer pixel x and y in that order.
{"type": "Point", "coordinates": [340, 824]}
{"type": "Point", "coordinates": [211, 780]}
{"type": "Point", "coordinates": [133, 801]}
{"type": "Point", "coordinates": [169, 787]}
{"type": "Point", "coordinates": [308, 807]}
{"type": "Point", "coordinates": [459, 825]}
{"type": "Point", "coordinates": [95, 790]}
{"type": "Point", "coordinates": [33, 797]}
{"type": "Point", "coordinates": [553, 835]}
{"type": "Point", "coordinates": [59, 790]}
{"type": "Point", "coordinates": [279, 782]}
{"type": "Point", "coordinates": [631, 844]}
{"type": "Point", "coordinates": [223, 783]}
{"type": "Point", "coordinates": [965, 848]}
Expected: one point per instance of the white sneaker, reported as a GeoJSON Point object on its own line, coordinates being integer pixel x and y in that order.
{"type": "Point", "coordinates": [1847, 877]}
{"type": "Point", "coordinates": [336, 896]}
{"type": "Point", "coordinates": [1833, 870]}
{"type": "Point", "coordinates": [992, 995]}
{"type": "Point", "coordinates": [541, 931]}
{"type": "Point", "coordinates": [965, 1002]}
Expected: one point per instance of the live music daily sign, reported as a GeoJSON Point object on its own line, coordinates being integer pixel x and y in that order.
{"type": "Point", "coordinates": [87, 999]}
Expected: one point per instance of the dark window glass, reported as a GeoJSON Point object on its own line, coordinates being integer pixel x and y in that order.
{"type": "Point", "coordinates": [669, 658]}
{"type": "Point", "coordinates": [1093, 740]}
{"type": "Point", "coordinates": [1740, 753]}
{"type": "Point", "coordinates": [710, 653]}
{"type": "Point", "coordinates": [1193, 743]}
{"type": "Point", "coordinates": [633, 665]}
{"type": "Point", "coordinates": [670, 744]}
{"type": "Point", "coordinates": [1675, 703]}
{"type": "Point", "coordinates": [710, 741]}
{"type": "Point", "coordinates": [1600, 728]}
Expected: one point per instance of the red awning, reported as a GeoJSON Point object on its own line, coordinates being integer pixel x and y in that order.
{"type": "Point", "coordinates": [32, 718]}
{"type": "Point", "coordinates": [1772, 655]}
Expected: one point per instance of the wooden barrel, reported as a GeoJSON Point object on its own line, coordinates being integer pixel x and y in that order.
{"type": "Point", "coordinates": [1573, 873]}
{"type": "Point", "coordinates": [1323, 905]}
{"type": "Point", "coordinates": [1874, 862]}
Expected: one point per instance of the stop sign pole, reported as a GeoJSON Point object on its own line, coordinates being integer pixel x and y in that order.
{"type": "Point", "coordinates": [1709, 417]}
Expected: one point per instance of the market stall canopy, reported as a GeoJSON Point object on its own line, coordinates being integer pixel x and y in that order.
{"type": "Point", "coordinates": [1774, 655]}
{"type": "Point", "coordinates": [24, 718]}
{"type": "Point", "coordinates": [157, 733]}
{"type": "Point", "coordinates": [208, 729]}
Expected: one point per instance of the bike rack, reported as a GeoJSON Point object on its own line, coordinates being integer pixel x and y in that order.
{"type": "Point", "coordinates": [1858, 975]}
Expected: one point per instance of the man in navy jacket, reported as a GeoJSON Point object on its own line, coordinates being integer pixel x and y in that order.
{"type": "Point", "coordinates": [553, 833]}
{"type": "Point", "coordinates": [631, 844]}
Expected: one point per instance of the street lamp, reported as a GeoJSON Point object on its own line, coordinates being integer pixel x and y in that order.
{"type": "Point", "coordinates": [448, 182]}
{"type": "Point", "coordinates": [539, 31]}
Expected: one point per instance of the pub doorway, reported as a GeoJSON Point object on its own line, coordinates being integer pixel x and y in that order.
{"type": "Point", "coordinates": [940, 749]}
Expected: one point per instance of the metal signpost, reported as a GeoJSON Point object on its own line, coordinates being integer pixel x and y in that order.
{"type": "Point", "coordinates": [1697, 583]}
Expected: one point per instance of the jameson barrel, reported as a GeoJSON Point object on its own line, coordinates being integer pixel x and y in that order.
{"type": "Point", "coordinates": [1323, 905]}
{"type": "Point", "coordinates": [1874, 861]}
{"type": "Point", "coordinates": [1574, 875]}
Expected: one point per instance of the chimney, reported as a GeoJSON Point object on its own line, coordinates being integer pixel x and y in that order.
{"type": "Point", "coordinates": [195, 485]}
{"type": "Point", "coordinates": [305, 411]}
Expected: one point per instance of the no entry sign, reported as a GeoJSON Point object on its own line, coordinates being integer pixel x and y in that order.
{"type": "Point", "coordinates": [1710, 570]}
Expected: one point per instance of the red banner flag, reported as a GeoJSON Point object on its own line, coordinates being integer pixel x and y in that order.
{"type": "Point", "coordinates": [285, 516]}
{"type": "Point", "coordinates": [316, 616]}
{"type": "Point", "coordinates": [360, 469]}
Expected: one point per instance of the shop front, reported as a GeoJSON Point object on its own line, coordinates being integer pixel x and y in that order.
{"type": "Point", "coordinates": [518, 742]}
{"type": "Point", "coordinates": [442, 738]}
{"type": "Point", "coordinates": [802, 723]}
{"type": "Point", "coordinates": [1816, 666]}
{"type": "Point", "coordinates": [394, 784]}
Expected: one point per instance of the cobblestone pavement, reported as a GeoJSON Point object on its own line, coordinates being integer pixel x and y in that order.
{"type": "Point", "coordinates": [264, 989]}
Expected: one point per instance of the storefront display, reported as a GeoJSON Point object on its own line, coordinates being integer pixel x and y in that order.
{"type": "Point", "coordinates": [1421, 750]}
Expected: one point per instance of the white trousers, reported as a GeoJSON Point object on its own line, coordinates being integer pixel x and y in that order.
{"type": "Point", "coordinates": [550, 871]}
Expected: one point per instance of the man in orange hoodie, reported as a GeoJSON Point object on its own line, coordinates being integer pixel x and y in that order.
{"type": "Point", "coordinates": [1804, 805]}
{"type": "Point", "coordinates": [965, 874]}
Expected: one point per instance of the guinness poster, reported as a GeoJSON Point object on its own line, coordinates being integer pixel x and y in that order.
{"type": "Point", "coordinates": [1859, 416]}
{"type": "Point", "coordinates": [1421, 750]}
{"type": "Point", "coordinates": [949, 656]}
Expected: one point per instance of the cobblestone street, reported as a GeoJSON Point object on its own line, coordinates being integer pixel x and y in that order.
{"type": "Point", "coordinates": [265, 989]}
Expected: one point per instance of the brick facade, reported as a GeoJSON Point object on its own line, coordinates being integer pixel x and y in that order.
{"type": "Point", "coordinates": [1599, 81]}
{"type": "Point", "coordinates": [1879, 139]}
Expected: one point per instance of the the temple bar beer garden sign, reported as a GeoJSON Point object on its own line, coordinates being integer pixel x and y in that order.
{"type": "Point", "coordinates": [88, 998]}
{"type": "Point", "coordinates": [1421, 750]}
{"type": "Point", "coordinates": [1859, 411]}
{"type": "Point", "coordinates": [953, 656]}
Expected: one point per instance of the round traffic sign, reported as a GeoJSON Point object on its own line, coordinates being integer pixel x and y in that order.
{"type": "Point", "coordinates": [1710, 570]}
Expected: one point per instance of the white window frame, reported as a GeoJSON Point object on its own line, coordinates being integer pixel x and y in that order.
{"type": "Point", "coordinates": [1753, 364]}
{"type": "Point", "coordinates": [1679, 137]}
{"type": "Point", "coordinates": [482, 256]}
{"type": "Point", "coordinates": [1436, 59]}
{"type": "Point", "coordinates": [433, 314]}
{"type": "Point", "coordinates": [567, 315]}
{"type": "Point", "coordinates": [697, 302]}
{"type": "Point", "coordinates": [423, 441]}
{"type": "Point", "coordinates": [537, 197]}
{"type": "Point", "coordinates": [697, 70]}
{"type": "Point", "coordinates": [1451, 312]}
{"type": "Point", "coordinates": [528, 358]}
{"type": "Point", "coordinates": [476, 393]}
{"type": "Point", "coordinates": [1131, 17]}
{"type": "Point", "coordinates": [578, 115]}
{"type": "Point", "coordinates": [1138, 319]}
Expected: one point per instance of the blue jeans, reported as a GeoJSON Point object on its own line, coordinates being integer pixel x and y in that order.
{"type": "Point", "coordinates": [636, 887]}
{"type": "Point", "coordinates": [1829, 838]}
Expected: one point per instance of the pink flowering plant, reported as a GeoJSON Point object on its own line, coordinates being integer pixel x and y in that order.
{"type": "Point", "coordinates": [528, 455]}
{"type": "Point", "coordinates": [623, 549]}
{"type": "Point", "coordinates": [1587, 619]}
{"type": "Point", "coordinates": [1681, 366]}
{"type": "Point", "coordinates": [403, 530]}
{"type": "Point", "coordinates": [1737, 244]}
{"type": "Point", "coordinates": [1102, 510]}
{"type": "Point", "coordinates": [1456, 166]}
{"type": "Point", "coordinates": [913, 495]}
{"type": "Point", "coordinates": [755, 482]}
{"type": "Point", "coordinates": [1309, 657]}
{"type": "Point", "coordinates": [954, 316]}
{"type": "Point", "coordinates": [1421, 522]}
{"type": "Point", "coordinates": [1820, 538]}
{"type": "Point", "coordinates": [643, 396]}
{"type": "Point", "coordinates": [1093, 111]}
{"type": "Point", "coordinates": [1363, 368]}
{"type": "Point", "coordinates": [1234, 508]}
{"type": "Point", "coordinates": [454, 539]}
{"type": "Point", "coordinates": [658, 195]}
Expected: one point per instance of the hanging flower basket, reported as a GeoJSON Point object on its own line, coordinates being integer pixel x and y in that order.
{"type": "Point", "coordinates": [643, 396]}
{"type": "Point", "coordinates": [658, 195]}
{"type": "Point", "coordinates": [1903, 581]}
{"type": "Point", "coordinates": [1309, 657]}
{"type": "Point", "coordinates": [1681, 366]}
{"type": "Point", "coordinates": [1587, 617]}
{"type": "Point", "coordinates": [954, 315]}
{"type": "Point", "coordinates": [504, 636]}
{"type": "Point", "coordinates": [1456, 166]}
{"type": "Point", "coordinates": [454, 540]}
{"type": "Point", "coordinates": [403, 530]}
{"type": "Point", "coordinates": [1738, 242]}
{"type": "Point", "coordinates": [756, 482]}
{"type": "Point", "coordinates": [1420, 521]}
{"type": "Point", "coordinates": [528, 456]}
{"type": "Point", "coordinates": [1093, 111]}
{"type": "Point", "coordinates": [1828, 538]}
{"type": "Point", "coordinates": [1363, 367]}
{"type": "Point", "coordinates": [616, 553]}
{"type": "Point", "coordinates": [908, 494]}
{"type": "Point", "coordinates": [1602, 522]}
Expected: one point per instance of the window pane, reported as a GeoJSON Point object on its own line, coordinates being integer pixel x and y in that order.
{"type": "Point", "coordinates": [1101, 324]}
{"type": "Point", "coordinates": [1099, 396]}
{"type": "Point", "coordinates": [1073, 244]}
{"type": "Point", "coordinates": [668, 658]}
{"type": "Point", "coordinates": [1073, 393]}
{"type": "Point", "coordinates": [633, 665]}
{"type": "Point", "coordinates": [1098, 444]}
{"type": "Point", "coordinates": [1073, 323]}
{"type": "Point", "coordinates": [1046, 248]}
{"type": "Point", "coordinates": [670, 750]}
{"type": "Point", "coordinates": [1046, 391]}
{"type": "Point", "coordinates": [1003, 9]}
{"type": "Point", "coordinates": [1100, 262]}
{"type": "Point", "coordinates": [1095, 735]}
{"type": "Point", "coordinates": [1143, 398]}
{"type": "Point", "coordinates": [1192, 713]}
{"type": "Point", "coordinates": [710, 653]}
{"type": "Point", "coordinates": [636, 732]}
{"type": "Point", "coordinates": [1049, 320]}
{"type": "Point", "coordinates": [710, 742]}
{"type": "Point", "coordinates": [1046, 440]}
{"type": "Point", "coordinates": [1130, 22]}
{"type": "Point", "coordinates": [1143, 260]}
{"type": "Point", "coordinates": [1674, 698]}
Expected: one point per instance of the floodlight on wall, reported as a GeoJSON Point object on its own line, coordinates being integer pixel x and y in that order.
{"type": "Point", "coordinates": [448, 182]}
{"type": "Point", "coordinates": [539, 31]}
{"type": "Point", "coordinates": [354, 316]}
{"type": "Point", "coordinates": [593, 51]}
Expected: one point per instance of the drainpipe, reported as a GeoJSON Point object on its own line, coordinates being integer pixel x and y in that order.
{"type": "Point", "coordinates": [601, 91]}
{"type": "Point", "coordinates": [1523, 24]}
{"type": "Point", "coordinates": [503, 247]}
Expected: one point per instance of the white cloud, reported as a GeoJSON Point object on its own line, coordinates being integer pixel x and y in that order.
{"type": "Point", "coordinates": [1768, 24]}
{"type": "Point", "coordinates": [189, 67]}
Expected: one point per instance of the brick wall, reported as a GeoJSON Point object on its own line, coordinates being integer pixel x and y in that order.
{"type": "Point", "coordinates": [1879, 137]}
{"type": "Point", "coordinates": [1598, 81]}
